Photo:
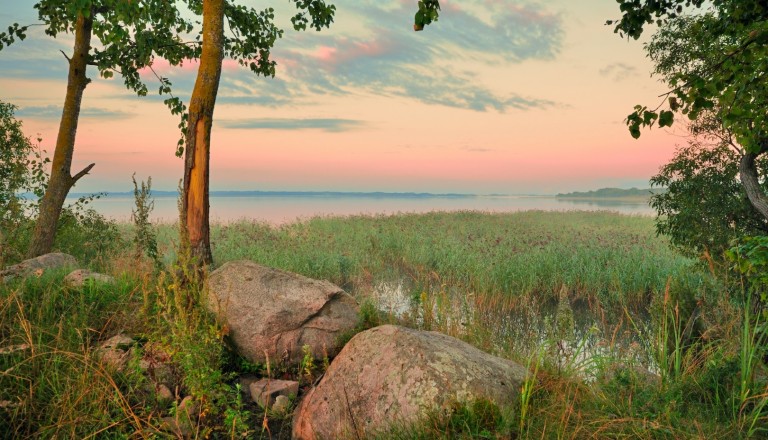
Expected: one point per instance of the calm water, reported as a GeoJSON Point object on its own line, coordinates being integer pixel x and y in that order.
{"type": "Point", "coordinates": [279, 209]}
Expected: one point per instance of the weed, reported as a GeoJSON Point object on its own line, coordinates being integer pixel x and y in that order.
{"type": "Point", "coordinates": [307, 365]}
{"type": "Point", "coordinates": [144, 238]}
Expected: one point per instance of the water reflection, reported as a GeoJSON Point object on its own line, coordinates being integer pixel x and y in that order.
{"type": "Point", "coordinates": [525, 325]}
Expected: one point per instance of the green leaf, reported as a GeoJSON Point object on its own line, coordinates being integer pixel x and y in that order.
{"type": "Point", "coordinates": [666, 118]}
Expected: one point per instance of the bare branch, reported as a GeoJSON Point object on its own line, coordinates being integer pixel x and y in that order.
{"type": "Point", "coordinates": [65, 55]}
{"type": "Point", "coordinates": [82, 173]}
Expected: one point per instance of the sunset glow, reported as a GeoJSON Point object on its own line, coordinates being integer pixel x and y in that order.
{"type": "Point", "coordinates": [497, 97]}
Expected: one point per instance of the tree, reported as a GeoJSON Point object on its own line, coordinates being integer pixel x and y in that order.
{"type": "Point", "coordinates": [254, 35]}
{"type": "Point", "coordinates": [704, 206]}
{"type": "Point", "coordinates": [727, 80]}
{"type": "Point", "coordinates": [130, 34]}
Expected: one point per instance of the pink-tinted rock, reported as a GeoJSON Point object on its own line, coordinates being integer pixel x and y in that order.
{"type": "Point", "coordinates": [277, 312]}
{"type": "Point", "coordinates": [38, 265]}
{"type": "Point", "coordinates": [265, 391]}
{"type": "Point", "coordinates": [116, 351]}
{"type": "Point", "coordinates": [79, 277]}
{"type": "Point", "coordinates": [392, 374]}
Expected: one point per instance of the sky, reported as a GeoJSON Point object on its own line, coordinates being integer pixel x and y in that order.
{"type": "Point", "coordinates": [498, 96]}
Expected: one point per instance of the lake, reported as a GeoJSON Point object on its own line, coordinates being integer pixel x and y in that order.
{"type": "Point", "coordinates": [279, 209]}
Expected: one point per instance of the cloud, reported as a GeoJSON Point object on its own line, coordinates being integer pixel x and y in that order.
{"type": "Point", "coordinates": [371, 49]}
{"type": "Point", "coordinates": [618, 71]}
{"type": "Point", "coordinates": [384, 57]}
{"type": "Point", "coordinates": [54, 112]}
{"type": "Point", "coordinates": [332, 125]}
{"type": "Point", "coordinates": [476, 149]}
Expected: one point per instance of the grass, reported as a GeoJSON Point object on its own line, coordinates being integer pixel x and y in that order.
{"type": "Point", "coordinates": [625, 337]}
{"type": "Point", "coordinates": [613, 258]}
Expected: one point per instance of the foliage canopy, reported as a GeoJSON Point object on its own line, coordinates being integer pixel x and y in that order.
{"type": "Point", "coordinates": [705, 207]}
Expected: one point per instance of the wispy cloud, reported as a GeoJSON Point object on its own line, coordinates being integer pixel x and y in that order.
{"type": "Point", "coordinates": [476, 149]}
{"type": "Point", "coordinates": [333, 125]}
{"type": "Point", "coordinates": [391, 60]}
{"type": "Point", "coordinates": [372, 50]}
{"type": "Point", "coordinates": [54, 112]}
{"type": "Point", "coordinates": [618, 71]}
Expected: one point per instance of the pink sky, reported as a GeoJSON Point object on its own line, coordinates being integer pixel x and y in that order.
{"type": "Point", "coordinates": [494, 98]}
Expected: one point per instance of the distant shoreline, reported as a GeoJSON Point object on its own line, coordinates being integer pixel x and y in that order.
{"type": "Point", "coordinates": [636, 199]}
{"type": "Point", "coordinates": [613, 194]}
{"type": "Point", "coordinates": [317, 194]}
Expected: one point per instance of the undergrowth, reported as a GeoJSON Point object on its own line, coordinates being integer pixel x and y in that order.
{"type": "Point", "coordinates": [623, 337]}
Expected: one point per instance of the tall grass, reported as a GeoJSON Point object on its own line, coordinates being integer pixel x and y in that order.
{"type": "Point", "coordinates": [50, 383]}
{"type": "Point", "coordinates": [614, 258]}
{"type": "Point", "coordinates": [625, 338]}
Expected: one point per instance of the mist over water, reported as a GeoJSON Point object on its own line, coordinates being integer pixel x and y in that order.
{"type": "Point", "coordinates": [285, 209]}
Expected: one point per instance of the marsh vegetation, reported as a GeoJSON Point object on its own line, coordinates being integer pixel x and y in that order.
{"type": "Point", "coordinates": [626, 337]}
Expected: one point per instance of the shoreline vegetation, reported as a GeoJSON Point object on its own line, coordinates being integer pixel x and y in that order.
{"type": "Point", "coordinates": [595, 304]}
{"type": "Point", "coordinates": [613, 193]}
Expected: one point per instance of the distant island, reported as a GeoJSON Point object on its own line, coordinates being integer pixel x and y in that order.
{"type": "Point", "coordinates": [612, 193]}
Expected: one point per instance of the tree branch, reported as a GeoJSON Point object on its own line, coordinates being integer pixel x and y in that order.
{"type": "Point", "coordinates": [82, 173]}
{"type": "Point", "coordinates": [65, 55]}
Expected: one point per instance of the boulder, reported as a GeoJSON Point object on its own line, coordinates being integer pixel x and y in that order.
{"type": "Point", "coordinates": [394, 375]}
{"type": "Point", "coordinates": [79, 277]}
{"type": "Point", "coordinates": [277, 312]}
{"type": "Point", "coordinates": [38, 265]}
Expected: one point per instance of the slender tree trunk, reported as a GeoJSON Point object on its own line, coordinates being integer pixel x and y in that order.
{"type": "Point", "coordinates": [751, 183]}
{"type": "Point", "coordinates": [61, 180]}
{"type": "Point", "coordinates": [195, 205]}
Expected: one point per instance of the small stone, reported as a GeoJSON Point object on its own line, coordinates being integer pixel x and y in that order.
{"type": "Point", "coordinates": [163, 394]}
{"type": "Point", "coordinates": [80, 277]}
{"type": "Point", "coordinates": [183, 425]}
{"type": "Point", "coordinates": [188, 408]}
{"type": "Point", "coordinates": [245, 382]}
{"type": "Point", "coordinates": [116, 351]}
{"type": "Point", "coordinates": [282, 405]}
{"type": "Point", "coordinates": [265, 391]}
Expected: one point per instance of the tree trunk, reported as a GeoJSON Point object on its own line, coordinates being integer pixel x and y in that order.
{"type": "Point", "coordinates": [195, 205]}
{"type": "Point", "coordinates": [61, 180]}
{"type": "Point", "coordinates": [751, 183]}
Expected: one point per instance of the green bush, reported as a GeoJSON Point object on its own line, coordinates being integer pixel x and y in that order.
{"type": "Point", "coordinates": [22, 172]}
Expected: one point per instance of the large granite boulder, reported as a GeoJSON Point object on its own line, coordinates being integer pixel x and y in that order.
{"type": "Point", "coordinates": [38, 265]}
{"type": "Point", "coordinates": [395, 375]}
{"type": "Point", "coordinates": [277, 312]}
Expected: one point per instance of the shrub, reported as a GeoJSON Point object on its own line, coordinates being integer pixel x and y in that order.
{"type": "Point", "coordinates": [22, 170]}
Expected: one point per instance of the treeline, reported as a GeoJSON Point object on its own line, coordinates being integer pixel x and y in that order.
{"type": "Point", "coordinates": [615, 192]}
